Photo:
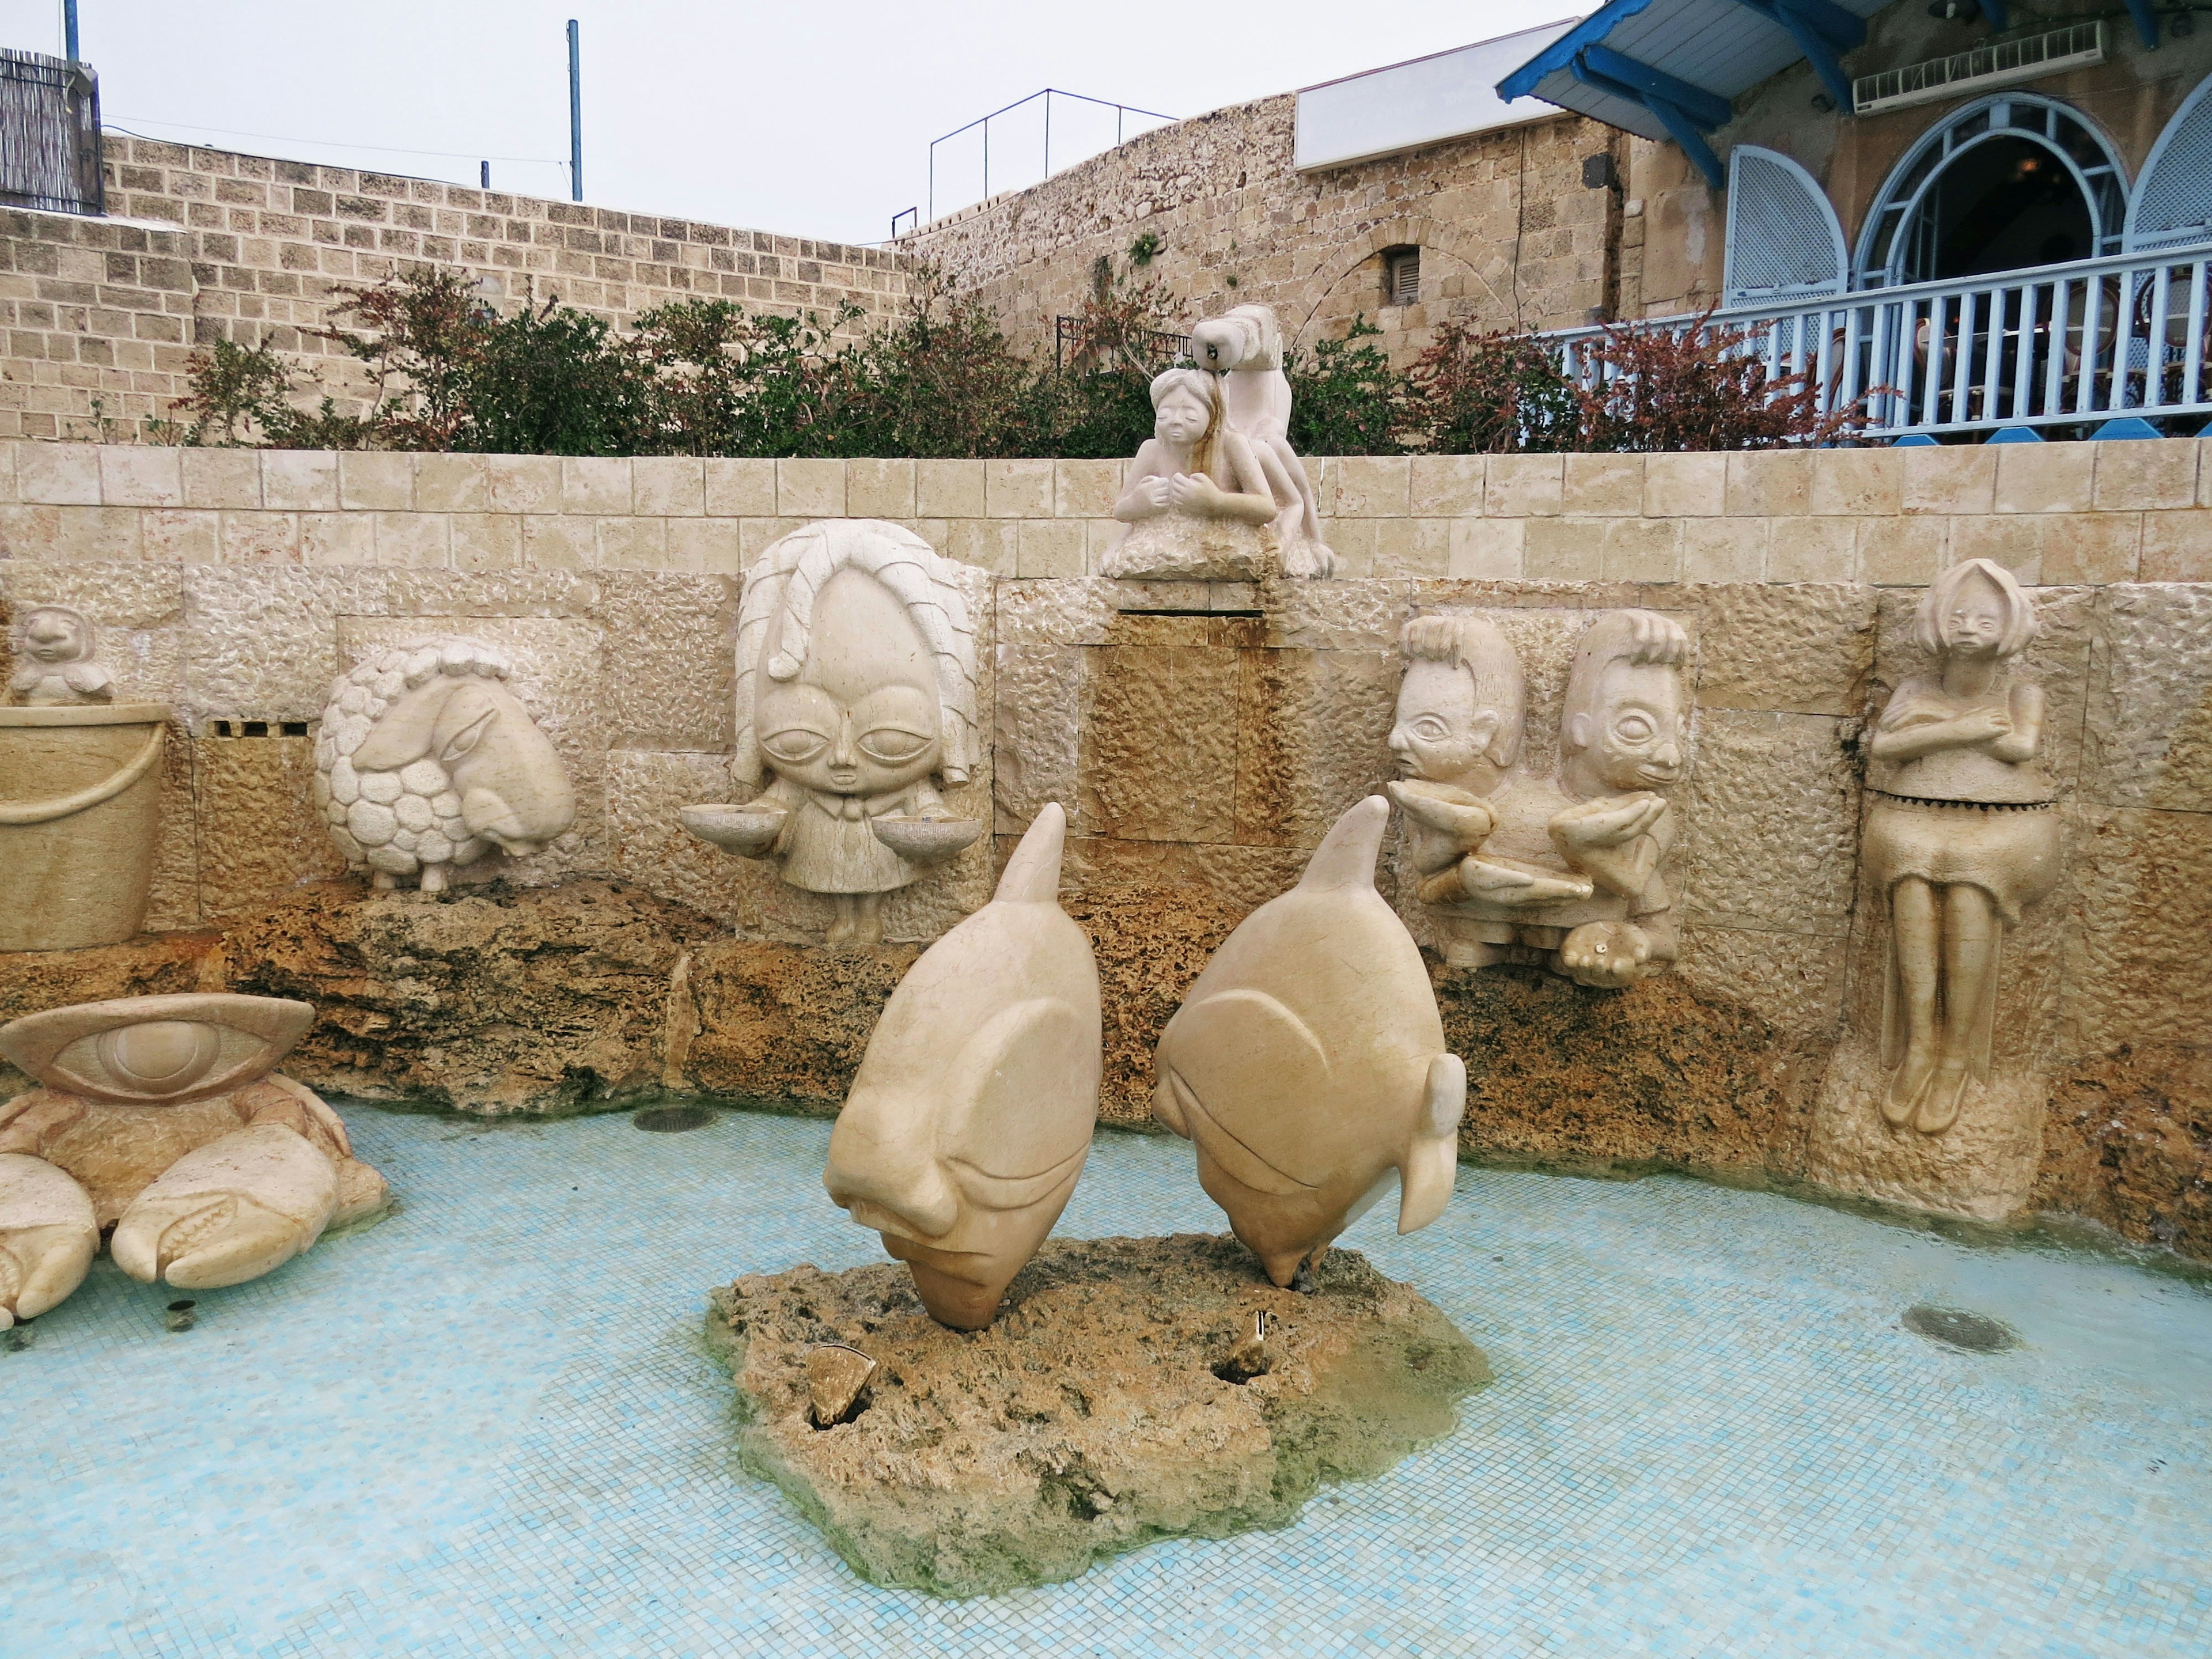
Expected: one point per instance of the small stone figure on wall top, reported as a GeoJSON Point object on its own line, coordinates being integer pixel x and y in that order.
{"type": "Point", "coordinates": [1962, 836]}
{"type": "Point", "coordinates": [856, 687]}
{"type": "Point", "coordinates": [427, 759]}
{"type": "Point", "coordinates": [1562, 871]}
{"type": "Point", "coordinates": [54, 645]}
{"type": "Point", "coordinates": [1215, 494]}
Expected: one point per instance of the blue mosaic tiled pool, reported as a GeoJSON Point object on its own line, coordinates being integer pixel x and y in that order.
{"type": "Point", "coordinates": [486, 1427]}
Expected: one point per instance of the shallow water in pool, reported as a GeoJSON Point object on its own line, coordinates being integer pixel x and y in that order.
{"type": "Point", "coordinates": [485, 1427]}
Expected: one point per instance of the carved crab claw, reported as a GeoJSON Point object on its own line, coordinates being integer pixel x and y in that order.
{"type": "Point", "coordinates": [228, 1212]}
{"type": "Point", "coordinates": [48, 1237]}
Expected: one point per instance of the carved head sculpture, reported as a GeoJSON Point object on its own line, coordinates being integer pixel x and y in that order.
{"type": "Point", "coordinates": [426, 758]}
{"type": "Point", "coordinates": [1245, 336]}
{"type": "Point", "coordinates": [55, 646]}
{"type": "Point", "coordinates": [971, 1114]}
{"type": "Point", "coordinates": [1621, 728]}
{"type": "Point", "coordinates": [1187, 413]}
{"type": "Point", "coordinates": [1974, 609]}
{"type": "Point", "coordinates": [1461, 704]}
{"type": "Point", "coordinates": [856, 663]}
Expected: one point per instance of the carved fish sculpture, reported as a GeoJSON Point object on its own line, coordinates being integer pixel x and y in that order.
{"type": "Point", "coordinates": [1308, 1062]}
{"type": "Point", "coordinates": [971, 1114]}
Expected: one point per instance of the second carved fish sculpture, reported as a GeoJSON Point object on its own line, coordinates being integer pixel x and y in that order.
{"type": "Point", "coordinates": [972, 1112]}
{"type": "Point", "coordinates": [1308, 1062]}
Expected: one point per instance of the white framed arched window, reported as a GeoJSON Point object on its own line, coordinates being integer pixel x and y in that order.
{"type": "Point", "coordinates": [1901, 239]}
{"type": "Point", "coordinates": [1783, 238]}
{"type": "Point", "coordinates": [2172, 200]}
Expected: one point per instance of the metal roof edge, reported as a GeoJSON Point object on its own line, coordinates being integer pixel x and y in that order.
{"type": "Point", "coordinates": [1404, 62]}
{"type": "Point", "coordinates": [1522, 83]}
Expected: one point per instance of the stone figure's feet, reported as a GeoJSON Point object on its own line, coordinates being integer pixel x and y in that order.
{"type": "Point", "coordinates": [1604, 955]}
{"type": "Point", "coordinates": [1938, 1107]}
{"type": "Point", "coordinates": [1907, 1084]}
{"type": "Point", "coordinates": [229, 1211]}
{"type": "Point", "coordinates": [48, 1237]}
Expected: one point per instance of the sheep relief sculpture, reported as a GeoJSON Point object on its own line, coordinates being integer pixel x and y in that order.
{"type": "Point", "coordinates": [855, 697]}
{"type": "Point", "coordinates": [1217, 494]}
{"type": "Point", "coordinates": [427, 759]}
{"type": "Point", "coordinates": [1962, 836]}
{"type": "Point", "coordinates": [1561, 871]}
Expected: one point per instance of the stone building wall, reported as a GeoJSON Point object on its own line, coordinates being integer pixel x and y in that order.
{"type": "Point", "coordinates": [206, 244]}
{"type": "Point", "coordinates": [1510, 237]}
{"type": "Point", "coordinates": [1202, 741]}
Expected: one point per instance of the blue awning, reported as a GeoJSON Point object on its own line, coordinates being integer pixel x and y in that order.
{"type": "Point", "coordinates": [1671, 69]}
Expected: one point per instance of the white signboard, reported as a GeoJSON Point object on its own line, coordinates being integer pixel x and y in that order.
{"type": "Point", "coordinates": [1450, 94]}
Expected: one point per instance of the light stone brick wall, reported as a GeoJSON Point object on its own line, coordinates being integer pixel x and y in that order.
{"type": "Point", "coordinates": [207, 244]}
{"type": "Point", "coordinates": [2061, 513]}
{"type": "Point", "coordinates": [1510, 237]}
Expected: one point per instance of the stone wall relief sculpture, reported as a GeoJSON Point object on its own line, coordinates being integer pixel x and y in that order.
{"type": "Point", "coordinates": [1562, 870]}
{"type": "Point", "coordinates": [1962, 836]}
{"type": "Point", "coordinates": [161, 1117]}
{"type": "Point", "coordinates": [427, 759]}
{"type": "Point", "coordinates": [1308, 1063]}
{"type": "Point", "coordinates": [972, 1112]}
{"type": "Point", "coordinates": [1217, 493]}
{"type": "Point", "coordinates": [855, 698]}
{"type": "Point", "coordinates": [80, 790]}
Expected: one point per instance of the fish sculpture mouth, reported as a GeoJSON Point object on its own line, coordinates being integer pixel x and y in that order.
{"type": "Point", "coordinates": [1236, 1160]}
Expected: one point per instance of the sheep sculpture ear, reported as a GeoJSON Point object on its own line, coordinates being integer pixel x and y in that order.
{"type": "Point", "coordinates": [403, 735]}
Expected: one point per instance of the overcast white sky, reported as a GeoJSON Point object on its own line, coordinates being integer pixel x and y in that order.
{"type": "Point", "coordinates": [812, 118]}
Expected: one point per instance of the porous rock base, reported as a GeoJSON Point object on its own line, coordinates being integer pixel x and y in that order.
{"type": "Point", "coordinates": [1088, 1419]}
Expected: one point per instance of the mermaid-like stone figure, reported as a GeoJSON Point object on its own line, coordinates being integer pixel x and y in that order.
{"type": "Point", "coordinates": [1962, 836]}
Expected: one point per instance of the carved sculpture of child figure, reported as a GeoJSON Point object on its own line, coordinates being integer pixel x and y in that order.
{"type": "Point", "coordinates": [856, 684]}
{"type": "Point", "coordinates": [1194, 473]}
{"type": "Point", "coordinates": [1960, 835]}
{"type": "Point", "coordinates": [54, 645]}
{"type": "Point", "coordinates": [1244, 346]}
{"type": "Point", "coordinates": [1563, 871]}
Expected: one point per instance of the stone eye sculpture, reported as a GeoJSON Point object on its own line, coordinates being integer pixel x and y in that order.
{"type": "Point", "coordinates": [1564, 871]}
{"type": "Point", "coordinates": [856, 689]}
{"type": "Point", "coordinates": [54, 645]}
{"type": "Point", "coordinates": [1962, 836]}
{"type": "Point", "coordinates": [427, 759]}
{"type": "Point", "coordinates": [972, 1112]}
{"type": "Point", "coordinates": [1308, 1063]}
{"type": "Point", "coordinates": [160, 1117]}
{"type": "Point", "coordinates": [1244, 346]}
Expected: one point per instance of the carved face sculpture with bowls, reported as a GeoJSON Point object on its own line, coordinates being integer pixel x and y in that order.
{"type": "Point", "coordinates": [161, 1117]}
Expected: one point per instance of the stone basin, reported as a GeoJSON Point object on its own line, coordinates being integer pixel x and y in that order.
{"type": "Point", "coordinates": [926, 841]}
{"type": "Point", "coordinates": [748, 830]}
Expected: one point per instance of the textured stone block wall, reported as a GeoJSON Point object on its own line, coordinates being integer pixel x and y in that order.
{"type": "Point", "coordinates": [1510, 237]}
{"type": "Point", "coordinates": [206, 244]}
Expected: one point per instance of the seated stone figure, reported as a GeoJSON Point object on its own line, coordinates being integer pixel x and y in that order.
{"type": "Point", "coordinates": [1198, 498]}
{"type": "Point", "coordinates": [1564, 871]}
{"type": "Point", "coordinates": [1244, 346]}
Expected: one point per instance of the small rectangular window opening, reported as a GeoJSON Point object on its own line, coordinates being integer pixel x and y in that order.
{"type": "Point", "coordinates": [1402, 276]}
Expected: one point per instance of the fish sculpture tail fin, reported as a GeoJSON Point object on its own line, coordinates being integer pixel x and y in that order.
{"type": "Point", "coordinates": [1032, 874]}
{"type": "Point", "coordinates": [1346, 855]}
{"type": "Point", "coordinates": [1425, 1178]}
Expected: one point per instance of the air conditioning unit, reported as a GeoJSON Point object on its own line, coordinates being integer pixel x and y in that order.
{"type": "Point", "coordinates": [2007, 64]}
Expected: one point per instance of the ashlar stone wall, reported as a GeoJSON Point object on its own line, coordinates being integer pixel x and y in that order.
{"type": "Point", "coordinates": [206, 244]}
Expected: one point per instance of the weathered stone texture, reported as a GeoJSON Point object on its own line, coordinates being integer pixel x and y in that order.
{"type": "Point", "coordinates": [669, 661]}
{"type": "Point", "coordinates": [1799, 649]}
{"type": "Point", "coordinates": [1774, 819]}
{"type": "Point", "coordinates": [1093, 1416]}
{"type": "Point", "coordinates": [785, 1025]}
{"type": "Point", "coordinates": [257, 836]}
{"type": "Point", "coordinates": [2137, 966]}
{"type": "Point", "coordinates": [2150, 713]}
{"type": "Point", "coordinates": [2128, 1143]}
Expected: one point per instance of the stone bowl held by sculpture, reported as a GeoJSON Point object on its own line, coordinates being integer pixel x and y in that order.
{"type": "Point", "coordinates": [80, 808]}
{"type": "Point", "coordinates": [748, 831]}
{"type": "Point", "coordinates": [926, 841]}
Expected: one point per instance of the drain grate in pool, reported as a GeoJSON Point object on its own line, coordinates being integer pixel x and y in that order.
{"type": "Point", "coordinates": [672, 1119]}
{"type": "Point", "coordinates": [1959, 1329]}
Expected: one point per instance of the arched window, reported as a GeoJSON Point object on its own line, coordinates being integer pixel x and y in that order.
{"type": "Point", "coordinates": [2173, 198]}
{"type": "Point", "coordinates": [2008, 182]}
{"type": "Point", "coordinates": [1784, 241]}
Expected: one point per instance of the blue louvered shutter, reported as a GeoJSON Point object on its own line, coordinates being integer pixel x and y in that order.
{"type": "Point", "coordinates": [2173, 198]}
{"type": "Point", "coordinates": [1784, 241]}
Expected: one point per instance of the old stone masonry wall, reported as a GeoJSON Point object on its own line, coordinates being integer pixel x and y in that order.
{"type": "Point", "coordinates": [206, 244]}
{"type": "Point", "coordinates": [1201, 737]}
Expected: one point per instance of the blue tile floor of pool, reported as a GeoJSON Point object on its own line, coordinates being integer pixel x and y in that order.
{"type": "Point", "coordinates": [485, 1427]}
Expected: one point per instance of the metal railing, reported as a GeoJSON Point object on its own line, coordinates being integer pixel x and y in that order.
{"type": "Point", "coordinates": [49, 135]}
{"type": "Point", "coordinates": [1122, 112]}
{"type": "Point", "coordinates": [1157, 348]}
{"type": "Point", "coordinates": [2058, 345]}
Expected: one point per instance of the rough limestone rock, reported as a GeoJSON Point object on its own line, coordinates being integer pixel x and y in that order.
{"type": "Point", "coordinates": [1095, 1414]}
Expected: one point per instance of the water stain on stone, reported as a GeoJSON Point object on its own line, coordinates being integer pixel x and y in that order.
{"type": "Point", "coordinates": [1957, 1328]}
{"type": "Point", "coordinates": [671, 1120]}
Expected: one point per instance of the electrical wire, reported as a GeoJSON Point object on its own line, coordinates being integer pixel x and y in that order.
{"type": "Point", "coordinates": [326, 143]}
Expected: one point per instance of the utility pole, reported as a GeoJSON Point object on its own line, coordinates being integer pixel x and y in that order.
{"type": "Point", "coordinates": [576, 115]}
{"type": "Point", "coordinates": [69, 30]}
